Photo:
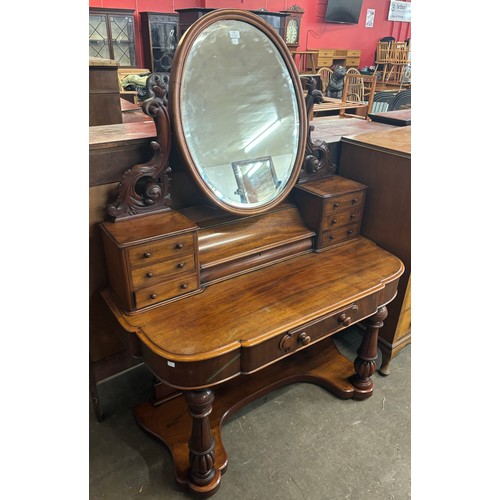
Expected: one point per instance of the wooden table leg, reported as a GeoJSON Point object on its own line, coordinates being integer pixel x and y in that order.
{"type": "Point", "coordinates": [364, 364]}
{"type": "Point", "coordinates": [204, 478]}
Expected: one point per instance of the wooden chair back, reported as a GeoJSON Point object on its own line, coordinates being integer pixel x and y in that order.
{"type": "Point", "coordinates": [383, 54]}
{"type": "Point", "coordinates": [399, 53]}
{"type": "Point", "coordinates": [325, 75]}
{"type": "Point", "coordinates": [359, 88]}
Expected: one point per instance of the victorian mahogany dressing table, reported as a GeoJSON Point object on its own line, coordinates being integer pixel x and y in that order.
{"type": "Point", "coordinates": [234, 255]}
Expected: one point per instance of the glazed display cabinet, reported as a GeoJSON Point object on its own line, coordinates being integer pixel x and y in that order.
{"type": "Point", "coordinates": [159, 38]}
{"type": "Point", "coordinates": [111, 35]}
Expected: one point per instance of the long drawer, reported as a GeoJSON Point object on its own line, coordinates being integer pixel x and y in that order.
{"type": "Point", "coordinates": [282, 345]}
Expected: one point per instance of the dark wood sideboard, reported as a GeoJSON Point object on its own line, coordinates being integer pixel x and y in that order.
{"type": "Point", "coordinates": [382, 161]}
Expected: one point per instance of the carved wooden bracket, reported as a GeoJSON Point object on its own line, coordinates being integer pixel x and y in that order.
{"type": "Point", "coordinates": [317, 157]}
{"type": "Point", "coordinates": [145, 187]}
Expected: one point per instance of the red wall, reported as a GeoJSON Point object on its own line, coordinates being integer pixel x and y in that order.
{"type": "Point", "coordinates": [314, 34]}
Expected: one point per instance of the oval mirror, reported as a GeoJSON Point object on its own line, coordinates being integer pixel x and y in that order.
{"type": "Point", "coordinates": [238, 110]}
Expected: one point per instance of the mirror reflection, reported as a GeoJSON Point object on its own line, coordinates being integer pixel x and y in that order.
{"type": "Point", "coordinates": [239, 111]}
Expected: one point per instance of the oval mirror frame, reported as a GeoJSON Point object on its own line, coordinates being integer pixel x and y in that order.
{"type": "Point", "coordinates": [175, 107]}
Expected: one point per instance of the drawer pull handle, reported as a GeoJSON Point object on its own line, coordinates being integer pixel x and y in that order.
{"type": "Point", "coordinates": [336, 204]}
{"type": "Point", "coordinates": [355, 200]}
{"type": "Point", "coordinates": [149, 274]}
{"type": "Point", "coordinates": [181, 265]}
{"type": "Point", "coordinates": [184, 286]}
{"type": "Point", "coordinates": [353, 216]}
{"type": "Point", "coordinates": [344, 319]}
{"type": "Point", "coordinates": [146, 255]}
{"type": "Point", "coordinates": [153, 296]}
{"type": "Point", "coordinates": [286, 343]}
{"type": "Point", "coordinates": [304, 339]}
{"type": "Point", "coordinates": [179, 245]}
{"type": "Point", "coordinates": [334, 221]}
{"type": "Point", "coordinates": [332, 237]}
{"type": "Point", "coordinates": [350, 232]}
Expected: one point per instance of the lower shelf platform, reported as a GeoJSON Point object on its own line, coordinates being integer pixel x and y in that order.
{"type": "Point", "coordinates": [321, 364]}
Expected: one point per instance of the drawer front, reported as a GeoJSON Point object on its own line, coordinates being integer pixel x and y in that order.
{"type": "Point", "coordinates": [324, 62]}
{"type": "Point", "coordinates": [329, 238]}
{"type": "Point", "coordinates": [353, 53]}
{"type": "Point", "coordinates": [168, 248]}
{"type": "Point", "coordinates": [352, 62]}
{"type": "Point", "coordinates": [273, 349]}
{"type": "Point", "coordinates": [340, 53]}
{"type": "Point", "coordinates": [342, 218]}
{"type": "Point", "coordinates": [153, 274]}
{"type": "Point", "coordinates": [325, 53]}
{"type": "Point", "coordinates": [339, 203]}
{"type": "Point", "coordinates": [163, 291]}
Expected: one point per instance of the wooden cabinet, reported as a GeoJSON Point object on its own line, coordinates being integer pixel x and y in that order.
{"type": "Point", "coordinates": [104, 92]}
{"type": "Point", "coordinates": [333, 208]}
{"type": "Point", "coordinates": [326, 58]}
{"type": "Point", "coordinates": [112, 35]}
{"type": "Point", "coordinates": [188, 16]}
{"type": "Point", "coordinates": [159, 40]}
{"type": "Point", "coordinates": [151, 264]}
{"type": "Point", "coordinates": [382, 161]}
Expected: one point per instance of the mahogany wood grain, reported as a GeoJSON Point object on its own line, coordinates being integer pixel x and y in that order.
{"type": "Point", "coordinates": [253, 308]}
{"type": "Point", "coordinates": [382, 161]}
{"type": "Point", "coordinates": [321, 364]}
{"type": "Point", "coordinates": [399, 117]}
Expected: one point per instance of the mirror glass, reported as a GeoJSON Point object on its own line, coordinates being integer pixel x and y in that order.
{"type": "Point", "coordinates": [240, 114]}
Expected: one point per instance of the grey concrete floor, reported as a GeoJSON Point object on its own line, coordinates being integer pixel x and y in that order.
{"type": "Point", "coordinates": [298, 442]}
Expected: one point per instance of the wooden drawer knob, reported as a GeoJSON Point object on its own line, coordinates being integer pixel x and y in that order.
{"type": "Point", "coordinates": [146, 255]}
{"type": "Point", "coordinates": [153, 296]}
{"type": "Point", "coordinates": [336, 204]}
{"type": "Point", "coordinates": [286, 343]}
{"type": "Point", "coordinates": [334, 221]}
{"type": "Point", "coordinates": [355, 200]}
{"type": "Point", "coordinates": [353, 216]}
{"type": "Point", "coordinates": [332, 237]}
{"type": "Point", "coordinates": [304, 339]}
{"type": "Point", "coordinates": [350, 232]}
{"type": "Point", "coordinates": [181, 265]}
{"type": "Point", "coordinates": [344, 319]}
{"type": "Point", "coordinates": [184, 286]}
{"type": "Point", "coordinates": [149, 274]}
{"type": "Point", "coordinates": [179, 245]}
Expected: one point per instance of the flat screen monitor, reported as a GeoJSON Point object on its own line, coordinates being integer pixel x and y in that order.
{"type": "Point", "coordinates": [343, 11]}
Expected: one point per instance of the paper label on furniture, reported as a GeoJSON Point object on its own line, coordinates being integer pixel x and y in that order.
{"type": "Point", "coordinates": [171, 363]}
{"type": "Point", "coordinates": [234, 35]}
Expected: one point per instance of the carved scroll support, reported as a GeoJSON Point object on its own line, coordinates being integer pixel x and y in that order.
{"type": "Point", "coordinates": [317, 157]}
{"type": "Point", "coordinates": [365, 363]}
{"type": "Point", "coordinates": [204, 478]}
{"type": "Point", "coordinates": [145, 187]}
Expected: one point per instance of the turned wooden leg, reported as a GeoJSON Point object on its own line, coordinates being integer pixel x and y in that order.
{"type": "Point", "coordinates": [204, 477]}
{"type": "Point", "coordinates": [364, 364]}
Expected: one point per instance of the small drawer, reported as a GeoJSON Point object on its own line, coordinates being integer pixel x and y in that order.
{"type": "Point", "coordinates": [152, 274]}
{"type": "Point", "coordinates": [325, 53]}
{"type": "Point", "coordinates": [150, 253]}
{"type": "Point", "coordinates": [163, 291]}
{"type": "Point", "coordinates": [324, 62]}
{"type": "Point", "coordinates": [329, 238]}
{"type": "Point", "coordinates": [353, 53]}
{"type": "Point", "coordinates": [344, 202]}
{"type": "Point", "coordinates": [342, 218]}
{"type": "Point", "coordinates": [352, 62]}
